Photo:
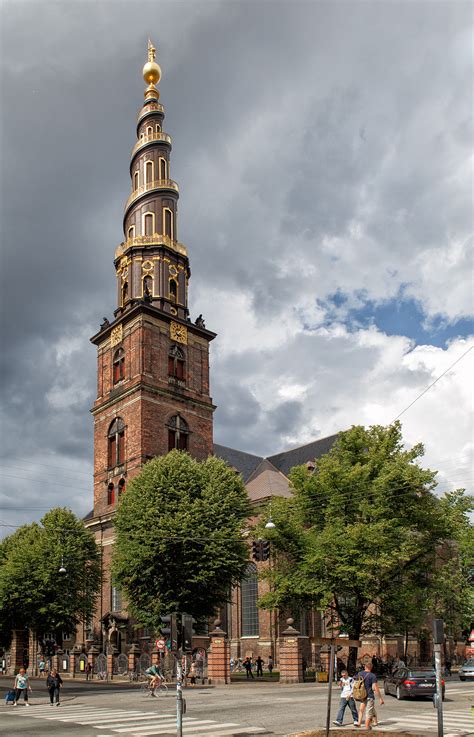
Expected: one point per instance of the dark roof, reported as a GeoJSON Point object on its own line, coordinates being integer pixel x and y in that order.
{"type": "Point", "coordinates": [245, 463]}
{"type": "Point", "coordinates": [89, 515]}
{"type": "Point", "coordinates": [296, 457]}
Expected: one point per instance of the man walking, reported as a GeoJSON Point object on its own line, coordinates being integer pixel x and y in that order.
{"type": "Point", "coordinates": [368, 703]}
{"type": "Point", "coordinates": [248, 667]}
{"type": "Point", "coordinates": [259, 663]}
{"type": "Point", "coordinates": [346, 684]}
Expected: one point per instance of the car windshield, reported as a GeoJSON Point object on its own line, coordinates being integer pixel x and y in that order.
{"type": "Point", "coordinates": [469, 662]}
{"type": "Point", "coordinates": [423, 673]}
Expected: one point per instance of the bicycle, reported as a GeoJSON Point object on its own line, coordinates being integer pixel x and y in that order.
{"type": "Point", "coordinates": [161, 690]}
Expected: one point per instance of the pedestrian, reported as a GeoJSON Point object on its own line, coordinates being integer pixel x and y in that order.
{"type": "Point", "coordinates": [259, 663]}
{"type": "Point", "coordinates": [53, 684]}
{"type": "Point", "coordinates": [369, 680]}
{"type": "Point", "coordinates": [232, 664]}
{"type": "Point", "coordinates": [22, 686]}
{"type": "Point", "coordinates": [346, 685]}
{"type": "Point", "coordinates": [448, 666]}
{"type": "Point", "coordinates": [248, 667]}
{"type": "Point", "coordinates": [270, 665]}
{"type": "Point", "coordinates": [42, 667]}
{"type": "Point", "coordinates": [192, 673]}
{"type": "Point", "coordinates": [88, 671]}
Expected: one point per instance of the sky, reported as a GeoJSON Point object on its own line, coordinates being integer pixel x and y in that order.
{"type": "Point", "coordinates": [323, 152]}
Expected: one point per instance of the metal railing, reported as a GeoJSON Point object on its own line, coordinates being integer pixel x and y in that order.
{"type": "Point", "coordinates": [157, 184]}
{"type": "Point", "coordinates": [151, 240]}
{"type": "Point", "coordinates": [150, 137]}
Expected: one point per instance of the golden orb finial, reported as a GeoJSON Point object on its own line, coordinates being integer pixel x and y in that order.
{"type": "Point", "coordinates": [151, 70]}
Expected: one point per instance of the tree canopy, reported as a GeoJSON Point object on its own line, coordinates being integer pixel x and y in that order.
{"type": "Point", "coordinates": [33, 593]}
{"type": "Point", "coordinates": [363, 533]}
{"type": "Point", "coordinates": [179, 545]}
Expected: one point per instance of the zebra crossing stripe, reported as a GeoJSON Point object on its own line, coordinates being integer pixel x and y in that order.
{"type": "Point", "coordinates": [164, 726]}
{"type": "Point", "coordinates": [141, 717]}
{"type": "Point", "coordinates": [191, 729]}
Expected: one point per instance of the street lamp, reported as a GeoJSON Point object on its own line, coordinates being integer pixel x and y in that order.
{"type": "Point", "coordinates": [270, 524]}
{"type": "Point", "coordinates": [62, 568]}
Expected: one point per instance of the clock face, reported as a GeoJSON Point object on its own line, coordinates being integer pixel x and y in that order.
{"type": "Point", "coordinates": [178, 332]}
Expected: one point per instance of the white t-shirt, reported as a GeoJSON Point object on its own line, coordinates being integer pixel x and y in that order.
{"type": "Point", "coordinates": [347, 685]}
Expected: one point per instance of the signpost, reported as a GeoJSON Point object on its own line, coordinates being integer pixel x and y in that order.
{"type": "Point", "coordinates": [438, 640]}
{"type": "Point", "coordinates": [332, 642]}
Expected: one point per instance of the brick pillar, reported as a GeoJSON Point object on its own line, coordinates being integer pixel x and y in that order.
{"type": "Point", "coordinates": [218, 668]}
{"type": "Point", "coordinates": [133, 655]}
{"type": "Point", "coordinates": [32, 654]}
{"type": "Point", "coordinates": [110, 662]}
{"type": "Point", "coordinates": [291, 655]}
{"type": "Point", "coordinates": [72, 664]}
{"type": "Point", "coordinates": [15, 656]}
{"type": "Point", "coordinates": [92, 653]}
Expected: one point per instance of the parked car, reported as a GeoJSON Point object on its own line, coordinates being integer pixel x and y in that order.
{"type": "Point", "coordinates": [467, 669]}
{"type": "Point", "coordinates": [406, 682]}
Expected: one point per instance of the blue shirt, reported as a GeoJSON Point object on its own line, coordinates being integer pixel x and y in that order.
{"type": "Point", "coordinates": [369, 680]}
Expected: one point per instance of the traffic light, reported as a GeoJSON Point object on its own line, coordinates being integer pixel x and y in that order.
{"type": "Point", "coordinates": [169, 631]}
{"type": "Point", "coordinates": [265, 550]}
{"type": "Point", "coordinates": [187, 633]}
{"type": "Point", "coordinates": [257, 550]}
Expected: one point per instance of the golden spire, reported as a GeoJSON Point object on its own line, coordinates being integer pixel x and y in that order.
{"type": "Point", "coordinates": [151, 73]}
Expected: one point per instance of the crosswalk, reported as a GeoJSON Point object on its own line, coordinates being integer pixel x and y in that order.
{"type": "Point", "coordinates": [456, 723]}
{"type": "Point", "coordinates": [118, 722]}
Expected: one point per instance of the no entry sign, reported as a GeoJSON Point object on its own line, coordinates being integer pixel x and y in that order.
{"type": "Point", "coordinates": [160, 644]}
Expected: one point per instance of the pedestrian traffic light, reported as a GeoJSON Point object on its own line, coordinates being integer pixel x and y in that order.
{"type": "Point", "coordinates": [257, 550]}
{"type": "Point", "coordinates": [169, 631]}
{"type": "Point", "coordinates": [265, 550]}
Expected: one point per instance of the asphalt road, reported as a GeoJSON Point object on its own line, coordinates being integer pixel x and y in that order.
{"type": "Point", "coordinates": [120, 710]}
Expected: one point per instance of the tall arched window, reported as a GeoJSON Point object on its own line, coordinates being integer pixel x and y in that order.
{"type": "Point", "coordinates": [116, 443]}
{"type": "Point", "coordinates": [124, 292]}
{"type": "Point", "coordinates": [158, 128]}
{"type": "Point", "coordinates": [119, 365]}
{"type": "Point", "coordinates": [149, 130]}
{"type": "Point", "coordinates": [148, 285]}
{"type": "Point", "coordinates": [176, 362]}
{"type": "Point", "coordinates": [116, 599]}
{"type": "Point", "coordinates": [131, 232]}
{"type": "Point", "coordinates": [148, 223]}
{"type": "Point", "coordinates": [136, 180]}
{"type": "Point", "coordinates": [173, 291]}
{"type": "Point", "coordinates": [168, 221]}
{"type": "Point", "coordinates": [163, 169]}
{"type": "Point", "coordinates": [178, 433]}
{"type": "Point", "coordinates": [249, 597]}
{"type": "Point", "coordinates": [110, 493]}
{"type": "Point", "coordinates": [149, 172]}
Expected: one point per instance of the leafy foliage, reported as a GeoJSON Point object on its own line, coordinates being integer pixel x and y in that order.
{"type": "Point", "coordinates": [361, 536]}
{"type": "Point", "coordinates": [179, 543]}
{"type": "Point", "coordinates": [33, 593]}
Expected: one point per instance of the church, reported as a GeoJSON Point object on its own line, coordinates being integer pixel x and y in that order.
{"type": "Point", "coordinates": [153, 391]}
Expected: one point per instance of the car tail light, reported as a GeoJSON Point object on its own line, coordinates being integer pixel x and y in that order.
{"type": "Point", "coordinates": [409, 683]}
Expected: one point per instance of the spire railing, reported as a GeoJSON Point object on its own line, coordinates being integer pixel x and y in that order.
{"type": "Point", "coordinates": [157, 184]}
{"type": "Point", "coordinates": [149, 138]}
{"type": "Point", "coordinates": [156, 239]}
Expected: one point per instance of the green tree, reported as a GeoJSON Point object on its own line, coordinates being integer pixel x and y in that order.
{"type": "Point", "coordinates": [33, 594]}
{"type": "Point", "coordinates": [360, 536]}
{"type": "Point", "coordinates": [179, 543]}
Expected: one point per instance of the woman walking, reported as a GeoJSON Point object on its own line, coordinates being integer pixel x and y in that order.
{"type": "Point", "coordinates": [22, 686]}
{"type": "Point", "coordinates": [53, 684]}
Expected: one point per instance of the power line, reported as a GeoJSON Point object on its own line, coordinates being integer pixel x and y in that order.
{"type": "Point", "coordinates": [432, 384]}
{"type": "Point", "coordinates": [43, 483]}
{"type": "Point", "coordinates": [44, 465]}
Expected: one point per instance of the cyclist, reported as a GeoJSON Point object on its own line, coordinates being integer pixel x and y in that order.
{"type": "Point", "coordinates": [155, 677]}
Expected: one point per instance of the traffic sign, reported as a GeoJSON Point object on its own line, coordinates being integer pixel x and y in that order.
{"type": "Point", "coordinates": [160, 644]}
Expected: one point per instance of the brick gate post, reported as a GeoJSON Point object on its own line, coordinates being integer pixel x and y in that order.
{"type": "Point", "coordinates": [291, 655]}
{"type": "Point", "coordinates": [133, 655]}
{"type": "Point", "coordinates": [218, 667]}
{"type": "Point", "coordinates": [110, 663]}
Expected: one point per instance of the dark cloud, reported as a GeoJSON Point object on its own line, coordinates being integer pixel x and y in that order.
{"type": "Point", "coordinates": [318, 146]}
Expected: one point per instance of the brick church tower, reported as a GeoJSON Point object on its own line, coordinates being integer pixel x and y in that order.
{"type": "Point", "coordinates": [153, 362]}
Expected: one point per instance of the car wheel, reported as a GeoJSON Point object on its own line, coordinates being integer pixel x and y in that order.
{"type": "Point", "coordinates": [461, 678]}
{"type": "Point", "coordinates": [399, 693]}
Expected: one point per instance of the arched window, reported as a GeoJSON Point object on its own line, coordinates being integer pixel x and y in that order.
{"type": "Point", "coordinates": [148, 223]}
{"type": "Point", "coordinates": [163, 169]}
{"type": "Point", "coordinates": [136, 180]}
{"type": "Point", "coordinates": [176, 363]}
{"type": "Point", "coordinates": [148, 285]}
{"type": "Point", "coordinates": [121, 486]}
{"type": "Point", "coordinates": [249, 596]}
{"type": "Point", "coordinates": [173, 291]}
{"type": "Point", "coordinates": [168, 221]}
{"type": "Point", "coordinates": [124, 292]}
{"type": "Point", "coordinates": [178, 433]}
{"type": "Point", "coordinates": [116, 599]}
{"type": "Point", "coordinates": [149, 166]}
{"type": "Point", "coordinates": [111, 493]}
{"type": "Point", "coordinates": [116, 443]}
{"type": "Point", "coordinates": [158, 128]}
{"type": "Point", "coordinates": [149, 130]}
{"type": "Point", "coordinates": [119, 365]}
{"type": "Point", "coordinates": [131, 232]}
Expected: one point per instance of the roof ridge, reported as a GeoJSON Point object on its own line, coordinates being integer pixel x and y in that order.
{"type": "Point", "coordinates": [298, 447]}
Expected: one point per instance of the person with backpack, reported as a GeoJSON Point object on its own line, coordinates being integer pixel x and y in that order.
{"type": "Point", "coordinates": [346, 684]}
{"type": "Point", "coordinates": [364, 689]}
{"type": "Point", "coordinates": [53, 684]}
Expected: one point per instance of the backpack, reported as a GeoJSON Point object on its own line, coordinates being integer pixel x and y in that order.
{"type": "Point", "coordinates": [9, 697]}
{"type": "Point", "coordinates": [359, 691]}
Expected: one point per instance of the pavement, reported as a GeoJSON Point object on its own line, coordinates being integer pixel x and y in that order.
{"type": "Point", "coordinates": [116, 709]}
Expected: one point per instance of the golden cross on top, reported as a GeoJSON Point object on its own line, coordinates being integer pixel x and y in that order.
{"type": "Point", "coordinates": [151, 51]}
